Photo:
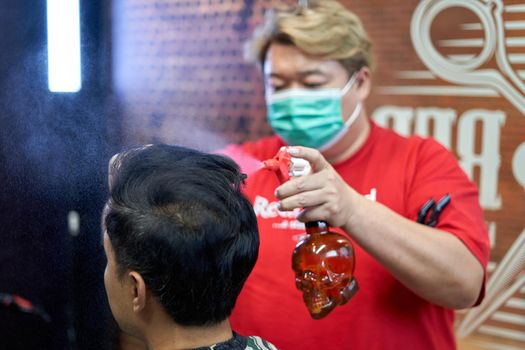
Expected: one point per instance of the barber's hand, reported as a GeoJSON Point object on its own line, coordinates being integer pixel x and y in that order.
{"type": "Point", "coordinates": [323, 194]}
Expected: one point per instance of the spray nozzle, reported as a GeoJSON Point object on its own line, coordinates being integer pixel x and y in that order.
{"type": "Point", "coordinates": [286, 166]}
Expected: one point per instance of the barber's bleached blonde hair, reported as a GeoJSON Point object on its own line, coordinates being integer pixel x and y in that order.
{"type": "Point", "coordinates": [324, 29]}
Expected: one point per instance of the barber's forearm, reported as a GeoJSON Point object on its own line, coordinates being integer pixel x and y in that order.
{"type": "Point", "coordinates": [433, 264]}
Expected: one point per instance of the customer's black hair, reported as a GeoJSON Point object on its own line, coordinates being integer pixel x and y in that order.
{"type": "Point", "coordinates": [178, 217]}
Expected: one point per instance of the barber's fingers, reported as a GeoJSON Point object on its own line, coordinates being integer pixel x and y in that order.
{"type": "Point", "coordinates": [319, 212]}
{"type": "Point", "coordinates": [302, 200]}
{"type": "Point", "coordinates": [313, 156]}
{"type": "Point", "coordinates": [335, 213]}
{"type": "Point", "coordinates": [301, 184]}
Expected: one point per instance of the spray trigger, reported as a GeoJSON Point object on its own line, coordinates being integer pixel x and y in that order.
{"type": "Point", "coordinates": [286, 166]}
{"type": "Point", "coordinates": [299, 167]}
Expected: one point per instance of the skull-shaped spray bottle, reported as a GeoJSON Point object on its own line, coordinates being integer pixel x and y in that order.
{"type": "Point", "coordinates": [324, 261]}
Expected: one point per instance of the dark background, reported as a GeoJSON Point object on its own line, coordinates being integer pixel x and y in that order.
{"type": "Point", "coordinates": [53, 154]}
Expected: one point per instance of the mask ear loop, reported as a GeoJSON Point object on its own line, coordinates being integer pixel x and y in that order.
{"type": "Point", "coordinates": [349, 84]}
{"type": "Point", "coordinates": [356, 113]}
{"type": "Point", "coordinates": [347, 124]}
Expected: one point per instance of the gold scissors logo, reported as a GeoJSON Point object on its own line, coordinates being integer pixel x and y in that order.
{"type": "Point", "coordinates": [494, 65]}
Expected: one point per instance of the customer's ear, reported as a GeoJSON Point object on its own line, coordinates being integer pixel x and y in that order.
{"type": "Point", "coordinates": [138, 291]}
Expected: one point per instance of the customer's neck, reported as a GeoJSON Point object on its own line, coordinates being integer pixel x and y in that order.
{"type": "Point", "coordinates": [173, 336]}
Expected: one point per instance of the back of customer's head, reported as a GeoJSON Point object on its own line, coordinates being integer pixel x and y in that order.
{"type": "Point", "coordinates": [177, 217]}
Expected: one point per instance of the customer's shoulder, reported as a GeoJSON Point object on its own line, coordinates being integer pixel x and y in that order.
{"type": "Point", "coordinates": [257, 343]}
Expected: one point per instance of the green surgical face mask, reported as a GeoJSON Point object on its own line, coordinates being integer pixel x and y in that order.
{"type": "Point", "coordinates": [310, 118]}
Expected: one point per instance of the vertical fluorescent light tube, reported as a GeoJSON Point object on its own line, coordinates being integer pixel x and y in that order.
{"type": "Point", "coordinates": [63, 45]}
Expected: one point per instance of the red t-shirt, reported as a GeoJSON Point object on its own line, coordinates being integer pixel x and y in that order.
{"type": "Point", "coordinates": [401, 173]}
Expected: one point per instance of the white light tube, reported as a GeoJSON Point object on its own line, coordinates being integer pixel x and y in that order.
{"type": "Point", "coordinates": [63, 45]}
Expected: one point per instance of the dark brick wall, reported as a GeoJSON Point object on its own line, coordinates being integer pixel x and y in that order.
{"type": "Point", "coordinates": [180, 72]}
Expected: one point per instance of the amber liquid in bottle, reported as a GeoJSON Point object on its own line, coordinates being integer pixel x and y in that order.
{"type": "Point", "coordinates": [324, 265]}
